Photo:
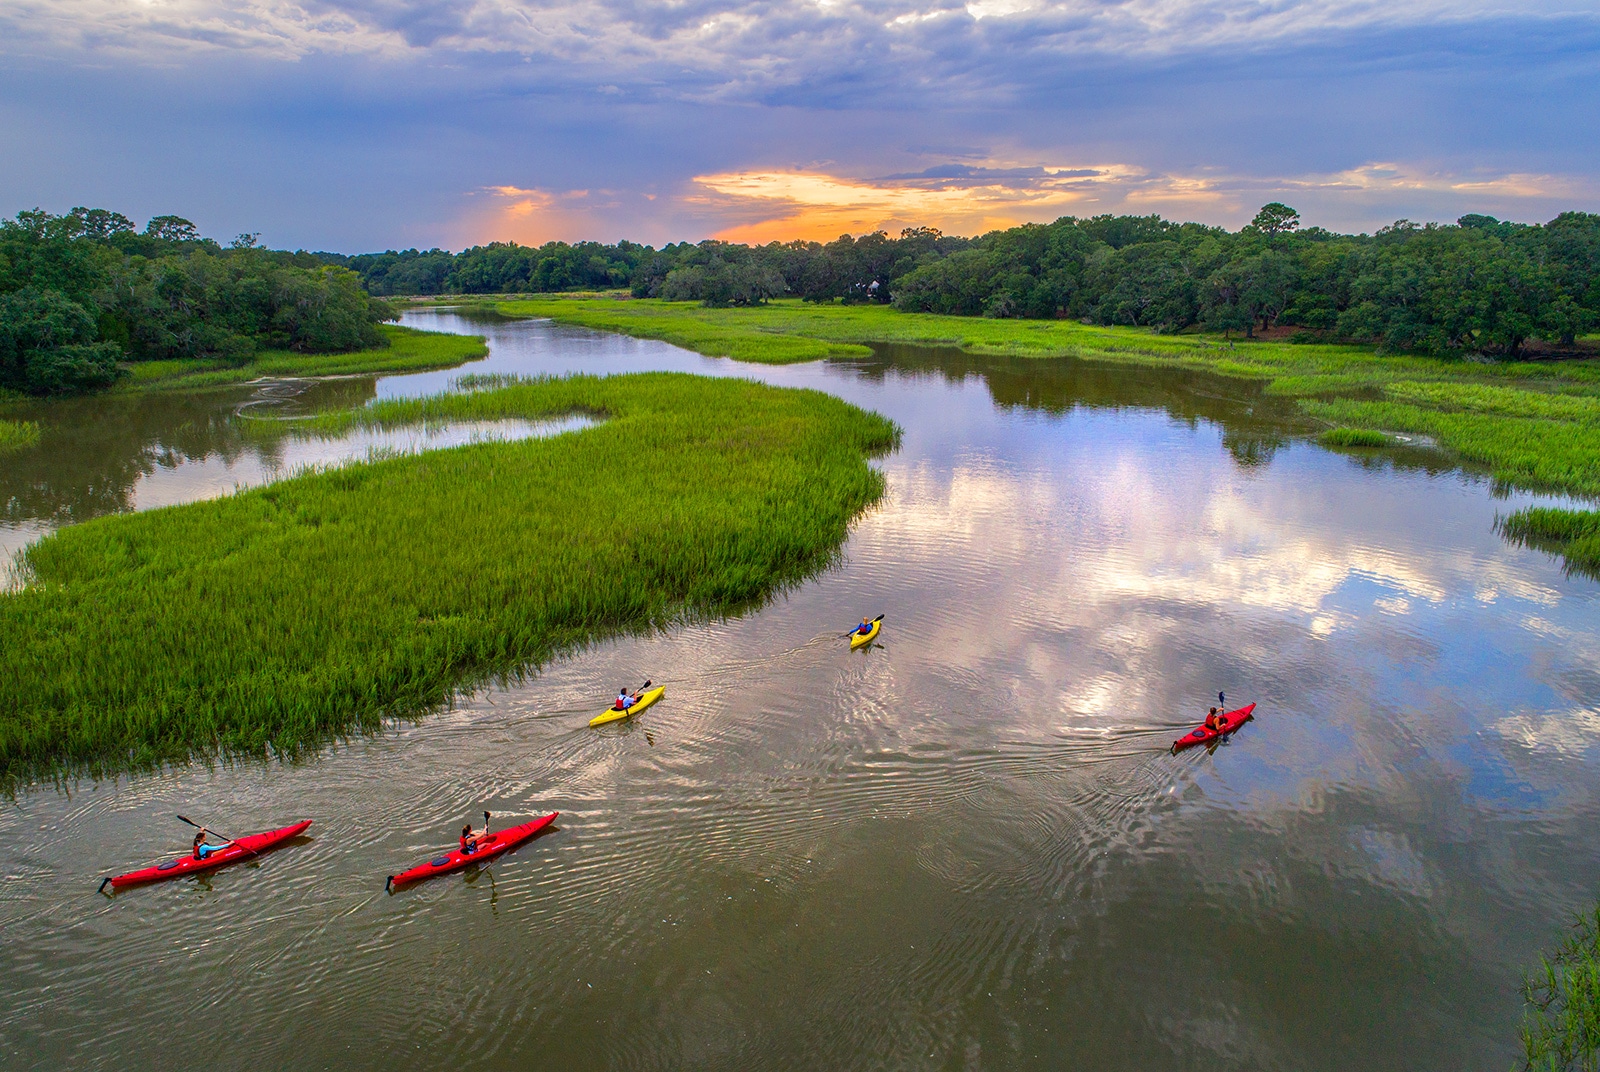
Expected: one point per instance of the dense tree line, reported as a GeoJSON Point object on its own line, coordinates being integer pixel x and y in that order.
{"type": "Point", "coordinates": [500, 268]}
{"type": "Point", "coordinates": [83, 292]}
{"type": "Point", "coordinates": [719, 273]}
{"type": "Point", "coordinates": [1478, 286]}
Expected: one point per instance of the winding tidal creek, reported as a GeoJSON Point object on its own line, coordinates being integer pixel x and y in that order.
{"type": "Point", "coordinates": [964, 847]}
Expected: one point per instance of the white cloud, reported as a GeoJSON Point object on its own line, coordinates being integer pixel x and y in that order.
{"type": "Point", "coordinates": [758, 42]}
{"type": "Point", "coordinates": [1569, 734]}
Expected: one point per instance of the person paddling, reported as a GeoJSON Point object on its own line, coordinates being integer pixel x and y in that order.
{"type": "Point", "coordinates": [625, 701]}
{"type": "Point", "coordinates": [202, 849]}
{"type": "Point", "coordinates": [1215, 721]}
{"type": "Point", "coordinates": [865, 627]}
{"type": "Point", "coordinates": [471, 837]}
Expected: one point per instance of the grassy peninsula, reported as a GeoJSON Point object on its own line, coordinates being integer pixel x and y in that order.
{"type": "Point", "coordinates": [325, 603]}
{"type": "Point", "coordinates": [408, 350]}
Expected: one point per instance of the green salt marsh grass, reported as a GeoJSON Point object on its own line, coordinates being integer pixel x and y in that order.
{"type": "Point", "coordinates": [1536, 454]}
{"type": "Point", "coordinates": [325, 603]}
{"type": "Point", "coordinates": [1574, 534]}
{"type": "Point", "coordinates": [1561, 1020]}
{"type": "Point", "coordinates": [1531, 424]}
{"type": "Point", "coordinates": [16, 435]}
{"type": "Point", "coordinates": [409, 350]}
{"type": "Point", "coordinates": [1354, 437]}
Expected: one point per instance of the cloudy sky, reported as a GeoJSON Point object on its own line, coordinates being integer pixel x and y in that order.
{"type": "Point", "coordinates": [354, 125]}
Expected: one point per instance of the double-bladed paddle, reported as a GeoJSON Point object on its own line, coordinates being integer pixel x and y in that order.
{"type": "Point", "coordinates": [219, 833]}
{"type": "Point", "coordinates": [197, 826]}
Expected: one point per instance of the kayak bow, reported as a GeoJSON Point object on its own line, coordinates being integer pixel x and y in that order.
{"type": "Point", "coordinates": [489, 846]}
{"type": "Point", "coordinates": [234, 851]}
{"type": "Point", "coordinates": [1233, 720]}
{"type": "Point", "coordinates": [645, 700]}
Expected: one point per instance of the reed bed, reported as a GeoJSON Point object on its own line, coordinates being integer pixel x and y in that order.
{"type": "Point", "coordinates": [1574, 534]}
{"type": "Point", "coordinates": [16, 435]}
{"type": "Point", "coordinates": [1354, 437]}
{"type": "Point", "coordinates": [1561, 1018]}
{"type": "Point", "coordinates": [278, 617]}
{"type": "Point", "coordinates": [1537, 454]}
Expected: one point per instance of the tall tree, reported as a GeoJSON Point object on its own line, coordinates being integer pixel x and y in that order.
{"type": "Point", "coordinates": [1274, 219]}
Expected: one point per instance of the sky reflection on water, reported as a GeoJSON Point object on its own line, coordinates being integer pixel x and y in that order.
{"type": "Point", "coordinates": [964, 847]}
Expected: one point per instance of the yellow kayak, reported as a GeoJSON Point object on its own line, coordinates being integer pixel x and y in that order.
{"type": "Point", "coordinates": [645, 700]}
{"type": "Point", "coordinates": [861, 640]}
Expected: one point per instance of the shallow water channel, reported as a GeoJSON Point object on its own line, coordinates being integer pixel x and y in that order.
{"type": "Point", "coordinates": [965, 847]}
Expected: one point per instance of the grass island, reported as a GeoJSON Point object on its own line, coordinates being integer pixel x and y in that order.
{"type": "Point", "coordinates": [325, 603]}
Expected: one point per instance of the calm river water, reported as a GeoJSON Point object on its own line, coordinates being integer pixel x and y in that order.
{"type": "Point", "coordinates": [966, 847]}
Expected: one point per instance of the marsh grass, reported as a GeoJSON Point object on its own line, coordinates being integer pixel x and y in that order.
{"type": "Point", "coordinates": [409, 350]}
{"type": "Point", "coordinates": [1355, 437]}
{"type": "Point", "coordinates": [1531, 424]}
{"type": "Point", "coordinates": [1536, 454]}
{"type": "Point", "coordinates": [486, 381]}
{"type": "Point", "coordinates": [1561, 1028]}
{"type": "Point", "coordinates": [17, 435]}
{"type": "Point", "coordinates": [1574, 534]}
{"type": "Point", "coordinates": [278, 617]}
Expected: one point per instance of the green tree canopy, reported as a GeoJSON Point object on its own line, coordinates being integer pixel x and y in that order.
{"type": "Point", "coordinates": [82, 292]}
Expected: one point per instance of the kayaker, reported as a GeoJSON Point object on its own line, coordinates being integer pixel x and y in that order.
{"type": "Point", "coordinates": [202, 849]}
{"type": "Point", "coordinates": [624, 701]}
{"type": "Point", "coordinates": [1215, 721]}
{"type": "Point", "coordinates": [469, 838]}
{"type": "Point", "coordinates": [865, 627]}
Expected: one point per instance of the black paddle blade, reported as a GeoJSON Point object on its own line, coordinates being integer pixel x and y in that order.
{"type": "Point", "coordinates": [486, 817]}
{"type": "Point", "coordinates": [186, 819]}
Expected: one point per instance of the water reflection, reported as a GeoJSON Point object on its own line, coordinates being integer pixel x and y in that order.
{"type": "Point", "coordinates": [121, 452]}
{"type": "Point", "coordinates": [1255, 425]}
{"type": "Point", "coordinates": [966, 847]}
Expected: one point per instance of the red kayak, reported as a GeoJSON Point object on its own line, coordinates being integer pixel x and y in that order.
{"type": "Point", "coordinates": [1201, 735]}
{"type": "Point", "coordinates": [489, 846]}
{"type": "Point", "coordinates": [254, 845]}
